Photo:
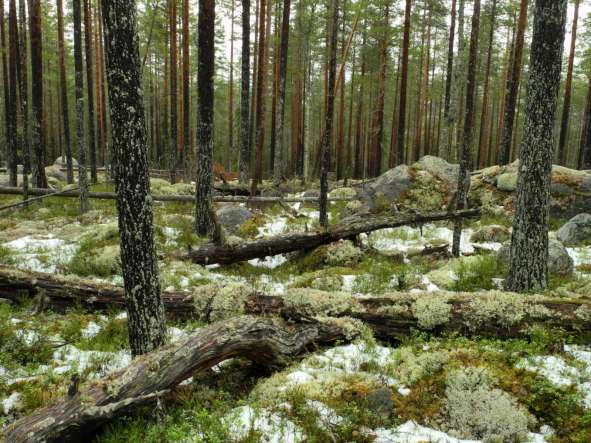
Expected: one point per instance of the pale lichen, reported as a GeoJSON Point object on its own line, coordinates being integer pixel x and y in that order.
{"type": "Point", "coordinates": [215, 302]}
{"type": "Point", "coordinates": [432, 311]}
{"type": "Point", "coordinates": [311, 302]}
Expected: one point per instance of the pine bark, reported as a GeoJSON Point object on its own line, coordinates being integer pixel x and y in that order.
{"type": "Point", "coordinates": [528, 269]}
{"type": "Point", "coordinates": [231, 91]}
{"type": "Point", "coordinates": [468, 131]}
{"type": "Point", "coordinates": [64, 92]}
{"type": "Point", "coordinates": [284, 46]}
{"type": "Point", "coordinates": [186, 94]}
{"type": "Point", "coordinates": [145, 310]}
{"type": "Point", "coordinates": [89, 55]}
{"type": "Point", "coordinates": [244, 157]}
{"type": "Point", "coordinates": [11, 98]}
{"type": "Point", "coordinates": [39, 178]}
{"type": "Point", "coordinates": [566, 107]}
{"type": "Point", "coordinates": [79, 80]}
{"type": "Point", "coordinates": [401, 154]}
{"type": "Point", "coordinates": [329, 117]}
{"type": "Point", "coordinates": [204, 218]}
{"type": "Point", "coordinates": [6, 90]}
{"type": "Point", "coordinates": [173, 142]}
{"type": "Point", "coordinates": [585, 149]}
{"type": "Point", "coordinates": [23, 90]}
{"type": "Point", "coordinates": [513, 88]}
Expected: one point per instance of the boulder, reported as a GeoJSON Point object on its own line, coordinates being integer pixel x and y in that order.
{"type": "Point", "coordinates": [560, 190]}
{"type": "Point", "coordinates": [585, 185]}
{"type": "Point", "coordinates": [55, 172]}
{"type": "Point", "coordinates": [380, 402]}
{"type": "Point", "coordinates": [559, 262]}
{"type": "Point", "coordinates": [61, 162]}
{"type": "Point", "coordinates": [392, 184]}
{"type": "Point", "coordinates": [576, 231]}
{"type": "Point", "coordinates": [507, 181]}
{"type": "Point", "coordinates": [491, 233]}
{"type": "Point", "coordinates": [232, 217]}
{"type": "Point", "coordinates": [438, 167]}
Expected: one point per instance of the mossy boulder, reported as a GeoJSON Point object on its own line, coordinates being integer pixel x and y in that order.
{"type": "Point", "coordinates": [233, 217]}
{"type": "Point", "coordinates": [441, 169]}
{"type": "Point", "coordinates": [491, 233]}
{"type": "Point", "coordinates": [507, 182]}
{"type": "Point", "coordinates": [576, 231]}
{"type": "Point", "coordinates": [559, 262]}
{"type": "Point", "coordinates": [428, 193]}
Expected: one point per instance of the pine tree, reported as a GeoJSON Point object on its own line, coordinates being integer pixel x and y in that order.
{"type": "Point", "coordinates": [64, 93]}
{"type": "Point", "coordinates": [244, 157]}
{"type": "Point", "coordinates": [88, 51]}
{"type": "Point", "coordinates": [403, 85]}
{"type": "Point", "coordinates": [145, 310]}
{"type": "Point", "coordinates": [528, 268]}
{"type": "Point", "coordinates": [79, 80]}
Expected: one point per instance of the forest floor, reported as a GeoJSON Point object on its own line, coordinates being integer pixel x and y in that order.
{"type": "Point", "coordinates": [426, 388]}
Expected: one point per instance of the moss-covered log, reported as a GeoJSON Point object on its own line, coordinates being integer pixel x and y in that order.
{"type": "Point", "coordinates": [212, 253]}
{"type": "Point", "coordinates": [269, 342]}
{"type": "Point", "coordinates": [391, 316]}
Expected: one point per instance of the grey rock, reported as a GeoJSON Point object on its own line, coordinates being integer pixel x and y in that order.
{"type": "Point", "coordinates": [559, 262]}
{"type": "Point", "coordinates": [55, 172]}
{"type": "Point", "coordinates": [232, 217]}
{"type": "Point", "coordinates": [380, 402]}
{"type": "Point", "coordinates": [392, 184]}
{"type": "Point", "coordinates": [560, 190]}
{"type": "Point", "coordinates": [507, 182]}
{"type": "Point", "coordinates": [438, 167]}
{"type": "Point", "coordinates": [585, 185]}
{"type": "Point", "coordinates": [576, 231]}
{"type": "Point", "coordinates": [61, 162]}
{"type": "Point", "coordinates": [271, 192]}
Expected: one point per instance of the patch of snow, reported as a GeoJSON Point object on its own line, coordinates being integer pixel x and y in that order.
{"type": "Point", "coordinates": [299, 377]}
{"type": "Point", "coordinates": [121, 316]}
{"type": "Point", "coordinates": [411, 432]}
{"type": "Point", "coordinates": [269, 262]}
{"type": "Point", "coordinates": [11, 402]}
{"type": "Point", "coordinates": [73, 357]}
{"type": "Point", "coordinates": [29, 248]}
{"type": "Point", "coordinates": [553, 368]}
{"type": "Point", "coordinates": [327, 417]}
{"type": "Point", "coordinates": [348, 282]}
{"type": "Point", "coordinates": [273, 428]}
{"type": "Point", "coordinates": [91, 330]}
{"type": "Point", "coordinates": [176, 334]}
{"type": "Point", "coordinates": [275, 227]}
{"type": "Point", "coordinates": [28, 336]}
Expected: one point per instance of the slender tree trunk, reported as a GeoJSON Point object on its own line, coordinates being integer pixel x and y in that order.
{"type": "Point", "coordinates": [231, 91]}
{"type": "Point", "coordinates": [513, 88]}
{"type": "Point", "coordinates": [173, 142]}
{"type": "Point", "coordinates": [244, 160]}
{"type": "Point", "coordinates": [64, 92]}
{"type": "Point", "coordinates": [11, 133]}
{"type": "Point", "coordinates": [145, 309]}
{"type": "Point", "coordinates": [24, 96]}
{"type": "Point", "coordinates": [403, 85]}
{"type": "Point", "coordinates": [260, 97]}
{"type": "Point", "coordinates": [468, 132]}
{"type": "Point", "coordinates": [79, 80]}
{"type": "Point", "coordinates": [358, 162]}
{"type": "Point", "coordinates": [378, 129]}
{"type": "Point", "coordinates": [482, 148]}
{"type": "Point", "coordinates": [10, 162]}
{"type": "Point", "coordinates": [186, 94]}
{"type": "Point", "coordinates": [279, 148]}
{"type": "Point", "coordinates": [90, 89]}
{"type": "Point", "coordinates": [585, 149]}
{"type": "Point", "coordinates": [328, 122]}
{"type": "Point", "coordinates": [204, 216]}
{"type": "Point", "coordinates": [37, 93]}
{"type": "Point", "coordinates": [446, 146]}
{"type": "Point", "coordinates": [562, 149]}
{"type": "Point", "coordinates": [528, 269]}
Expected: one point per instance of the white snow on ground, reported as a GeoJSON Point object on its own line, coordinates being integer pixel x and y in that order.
{"type": "Point", "coordinates": [273, 428]}
{"type": "Point", "coordinates": [71, 357]}
{"type": "Point", "coordinates": [348, 282]}
{"type": "Point", "coordinates": [561, 374]}
{"type": "Point", "coordinates": [11, 402]}
{"type": "Point", "coordinates": [580, 255]}
{"type": "Point", "coordinates": [91, 330]}
{"type": "Point", "coordinates": [327, 417]}
{"type": "Point", "coordinates": [28, 250]}
{"type": "Point", "coordinates": [277, 226]}
{"type": "Point", "coordinates": [269, 262]}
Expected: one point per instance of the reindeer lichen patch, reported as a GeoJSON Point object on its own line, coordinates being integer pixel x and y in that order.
{"type": "Point", "coordinates": [311, 302]}
{"type": "Point", "coordinates": [218, 302]}
{"type": "Point", "coordinates": [432, 311]}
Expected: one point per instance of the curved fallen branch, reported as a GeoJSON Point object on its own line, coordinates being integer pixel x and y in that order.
{"type": "Point", "coordinates": [211, 253]}
{"type": "Point", "coordinates": [263, 340]}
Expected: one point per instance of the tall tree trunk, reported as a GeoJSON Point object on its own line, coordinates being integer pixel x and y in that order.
{"type": "Point", "coordinates": [562, 149]}
{"type": "Point", "coordinates": [446, 146]}
{"type": "Point", "coordinates": [39, 178]}
{"type": "Point", "coordinates": [11, 98]}
{"type": "Point", "coordinates": [7, 115]}
{"type": "Point", "coordinates": [528, 269]}
{"type": "Point", "coordinates": [482, 148]}
{"type": "Point", "coordinates": [173, 142]}
{"type": "Point", "coordinates": [64, 92]}
{"type": "Point", "coordinates": [204, 217]}
{"type": "Point", "coordinates": [468, 132]}
{"type": "Point", "coordinates": [403, 85]}
{"type": "Point", "coordinates": [328, 121]}
{"type": "Point", "coordinates": [145, 310]}
{"type": "Point", "coordinates": [585, 149]}
{"type": "Point", "coordinates": [513, 87]}
{"type": "Point", "coordinates": [260, 97]}
{"type": "Point", "coordinates": [23, 89]}
{"type": "Point", "coordinates": [358, 161]}
{"type": "Point", "coordinates": [231, 91]}
{"type": "Point", "coordinates": [79, 80]}
{"type": "Point", "coordinates": [279, 148]}
{"type": "Point", "coordinates": [90, 89]}
{"type": "Point", "coordinates": [244, 158]}
{"type": "Point", "coordinates": [186, 94]}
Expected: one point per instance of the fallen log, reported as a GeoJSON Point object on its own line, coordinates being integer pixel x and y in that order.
{"type": "Point", "coordinates": [180, 198]}
{"type": "Point", "coordinates": [269, 342]}
{"type": "Point", "coordinates": [211, 253]}
{"type": "Point", "coordinates": [391, 316]}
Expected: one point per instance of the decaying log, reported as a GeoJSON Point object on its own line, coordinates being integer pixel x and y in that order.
{"type": "Point", "coordinates": [269, 342]}
{"type": "Point", "coordinates": [180, 198]}
{"type": "Point", "coordinates": [210, 253]}
{"type": "Point", "coordinates": [391, 317]}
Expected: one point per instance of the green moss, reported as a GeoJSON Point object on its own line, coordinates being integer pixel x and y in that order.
{"type": "Point", "coordinates": [428, 193]}
{"type": "Point", "coordinates": [250, 228]}
{"type": "Point", "coordinates": [6, 256]}
{"type": "Point", "coordinates": [475, 274]}
{"type": "Point", "coordinates": [318, 280]}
